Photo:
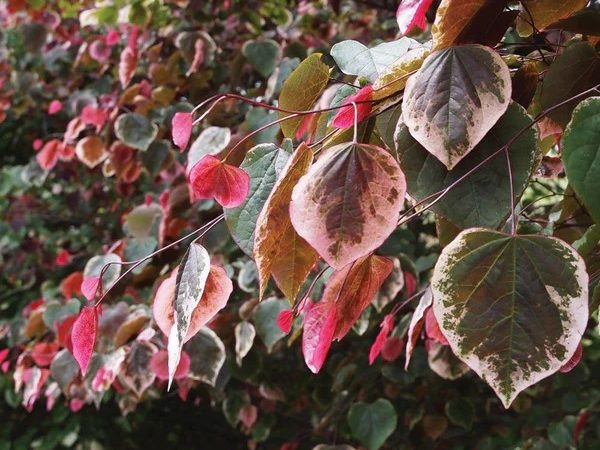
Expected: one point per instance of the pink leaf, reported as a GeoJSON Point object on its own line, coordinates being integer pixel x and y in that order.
{"type": "Point", "coordinates": [212, 178]}
{"type": "Point", "coordinates": [90, 115]}
{"type": "Point", "coordinates": [198, 57]}
{"type": "Point", "coordinates": [89, 286]}
{"type": "Point", "coordinates": [4, 354]}
{"type": "Point", "coordinates": [182, 129]}
{"type": "Point", "coordinates": [387, 325]}
{"type": "Point", "coordinates": [37, 144]}
{"type": "Point", "coordinates": [392, 348]}
{"type": "Point", "coordinates": [99, 51]}
{"type": "Point", "coordinates": [572, 363]}
{"type": "Point", "coordinates": [83, 336]}
{"type": "Point", "coordinates": [159, 365]}
{"type": "Point", "coordinates": [319, 328]}
{"type": "Point", "coordinates": [214, 298]}
{"type": "Point", "coordinates": [345, 116]}
{"type": "Point", "coordinates": [410, 283]}
{"type": "Point", "coordinates": [54, 107]}
{"type": "Point", "coordinates": [248, 415]}
{"type": "Point", "coordinates": [62, 258]}
{"type": "Point", "coordinates": [112, 37]}
{"type": "Point", "coordinates": [285, 319]}
{"type": "Point", "coordinates": [411, 13]}
{"type": "Point", "coordinates": [432, 328]}
{"type": "Point", "coordinates": [48, 155]}
{"type": "Point", "coordinates": [43, 352]}
{"type": "Point", "coordinates": [127, 66]}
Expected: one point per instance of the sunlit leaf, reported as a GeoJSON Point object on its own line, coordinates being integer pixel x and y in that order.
{"type": "Point", "coordinates": [488, 285]}
{"type": "Point", "coordinates": [349, 202]}
{"type": "Point", "coordinates": [450, 117]}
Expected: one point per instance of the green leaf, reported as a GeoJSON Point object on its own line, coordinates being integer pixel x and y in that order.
{"type": "Point", "coordinates": [211, 141]}
{"type": "Point", "coordinates": [265, 320]}
{"type": "Point", "coordinates": [581, 154]}
{"type": "Point", "coordinates": [455, 98]}
{"type": "Point", "coordinates": [461, 412]}
{"type": "Point", "coordinates": [354, 58]}
{"type": "Point", "coordinates": [262, 55]}
{"type": "Point", "coordinates": [207, 356]}
{"type": "Point", "coordinates": [143, 220]}
{"type": "Point", "coordinates": [513, 308]}
{"type": "Point", "coordinates": [135, 131]}
{"type": "Point", "coordinates": [302, 89]}
{"type": "Point", "coordinates": [572, 72]}
{"type": "Point", "coordinates": [264, 164]}
{"type": "Point", "coordinates": [372, 423]}
{"type": "Point", "coordinates": [483, 198]}
{"type": "Point", "coordinates": [191, 279]}
{"type": "Point", "coordinates": [155, 156]}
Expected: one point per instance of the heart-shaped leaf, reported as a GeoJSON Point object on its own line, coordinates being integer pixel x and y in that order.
{"type": "Point", "coordinates": [207, 354]}
{"type": "Point", "coordinates": [279, 249]}
{"type": "Point", "coordinates": [349, 201]}
{"type": "Point", "coordinates": [455, 98]}
{"type": "Point", "coordinates": [372, 423]}
{"type": "Point", "coordinates": [483, 198]}
{"type": "Point", "coordinates": [135, 130]}
{"type": "Point", "coordinates": [91, 151]}
{"type": "Point", "coordinates": [262, 55]}
{"type": "Point", "coordinates": [354, 58]}
{"type": "Point", "coordinates": [302, 89]}
{"type": "Point", "coordinates": [212, 141]}
{"type": "Point", "coordinates": [581, 154]}
{"type": "Point", "coordinates": [347, 116]}
{"type": "Point", "coordinates": [228, 184]}
{"type": "Point", "coordinates": [181, 126]}
{"type": "Point", "coordinates": [265, 320]}
{"type": "Point", "coordinates": [513, 308]}
{"type": "Point", "coordinates": [264, 164]}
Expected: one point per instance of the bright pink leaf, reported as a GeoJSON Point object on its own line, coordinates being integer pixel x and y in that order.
{"type": "Point", "coordinates": [37, 144]}
{"type": "Point", "coordinates": [387, 325]}
{"type": "Point", "coordinates": [572, 363]}
{"type": "Point", "coordinates": [182, 129]}
{"type": "Point", "coordinates": [54, 107]}
{"type": "Point", "coordinates": [112, 37]}
{"type": "Point", "coordinates": [319, 328]}
{"type": "Point", "coordinates": [159, 365]}
{"type": "Point", "coordinates": [345, 116]}
{"type": "Point", "coordinates": [4, 354]}
{"type": "Point", "coordinates": [411, 13]}
{"type": "Point", "coordinates": [83, 336]}
{"type": "Point", "coordinates": [410, 283]}
{"type": "Point", "coordinates": [62, 258]}
{"type": "Point", "coordinates": [76, 404]}
{"type": "Point", "coordinates": [71, 285]}
{"type": "Point", "coordinates": [217, 290]}
{"type": "Point", "coordinates": [89, 286]}
{"type": "Point", "coordinates": [285, 319]}
{"type": "Point", "coordinates": [432, 328]}
{"type": "Point", "coordinates": [392, 348]}
{"type": "Point", "coordinates": [90, 115]}
{"type": "Point", "coordinates": [48, 155]}
{"type": "Point", "coordinates": [213, 178]}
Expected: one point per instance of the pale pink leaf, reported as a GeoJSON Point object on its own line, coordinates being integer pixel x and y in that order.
{"type": "Point", "coordinates": [285, 319]}
{"type": "Point", "coordinates": [432, 328]}
{"type": "Point", "coordinates": [181, 125]}
{"type": "Point", "coordinates": [248, 415]}
{"type": "Point", "coordinates": [54, 107]}
{"type": "Point", "coordinates": [159, 365]}
{"type": "Point", "coordinates": [89, 286]}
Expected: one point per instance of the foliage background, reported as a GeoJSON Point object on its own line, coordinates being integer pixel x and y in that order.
{"type": "Point", "coordinates": [80, 209]}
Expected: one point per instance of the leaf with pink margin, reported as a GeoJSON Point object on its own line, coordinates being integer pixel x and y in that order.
{"type": "Point", "coordinates": [349, 202]}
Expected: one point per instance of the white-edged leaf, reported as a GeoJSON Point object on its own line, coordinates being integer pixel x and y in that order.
{"type": "Point", "coordinates": [416, 324]}
{"type": "Point", "coordinates": [244, 338]}
{"type": "Point", "coordinates": [191, 279]}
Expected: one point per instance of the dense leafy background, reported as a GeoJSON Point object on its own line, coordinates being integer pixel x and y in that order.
{"type": "Point", "coordinates": [182, 52]}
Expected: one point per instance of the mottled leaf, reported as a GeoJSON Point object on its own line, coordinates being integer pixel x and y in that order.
{"type": "Point", "coordinates": [455, 98]}
{"type": "Point", "coordinates": [349, 202]}
{"type": "Point", "coordinates": [488, 285]}
{"type": "Point", "coordinates": [207, 354]}
{"type": "Point", "coordinates": [135, 130]}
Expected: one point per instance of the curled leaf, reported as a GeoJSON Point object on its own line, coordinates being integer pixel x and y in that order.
{"type": "Point", "coordinates": [346, 115]}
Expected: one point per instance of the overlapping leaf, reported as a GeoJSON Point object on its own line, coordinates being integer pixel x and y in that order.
{"type": "Point", "coordinates": [455, 98]}
{"type": "Point", "coordinates": [451, 19]}
{"type": "Point", "coordinates": [279, 249]}
{"type": "Point", "coordinates": [541, 13]}
{"type": "Point", "coordinates": [349, 201]}
{"type": "Point", "coordinates": [482, 198]}
{"type": "Point", "coordinates": [264, 164]}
